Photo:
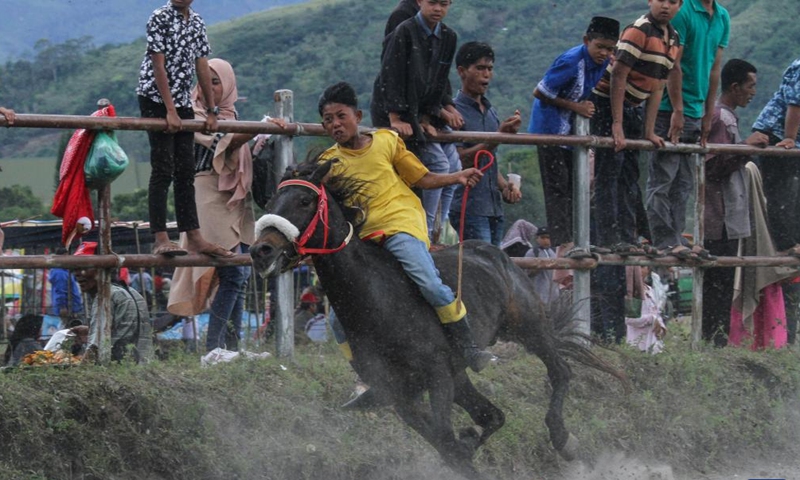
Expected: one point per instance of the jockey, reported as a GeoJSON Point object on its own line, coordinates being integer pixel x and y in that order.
{"type": "Point", "coordinates": [381, 161]}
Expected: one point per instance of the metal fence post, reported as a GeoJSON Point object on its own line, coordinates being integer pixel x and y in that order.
{"type": "Point", "coordinates": [284, 311]}
{"type": "Point", "coordinates": [698, 273]}
{"type": "Point", "coordinates": [581, 288]}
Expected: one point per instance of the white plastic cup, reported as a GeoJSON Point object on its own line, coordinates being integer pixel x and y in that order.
{"type": "Point", "coordinates": [514, 179]}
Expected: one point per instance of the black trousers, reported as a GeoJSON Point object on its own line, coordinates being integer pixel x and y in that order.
{"type": "Point", "coordinates": [718, 292]}
{"type": "Point", "coordinates": [556, 168]}
{"type": "Point", "coordinates": [781, 182]}
{"type": "Point", "coordinates": [171, 162]}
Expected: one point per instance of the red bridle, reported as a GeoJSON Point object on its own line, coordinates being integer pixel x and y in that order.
{"type": "Point", "coordinates": [322, 214]}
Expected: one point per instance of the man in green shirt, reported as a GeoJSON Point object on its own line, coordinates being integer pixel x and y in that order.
{"type": "Point", "coordinates": [685, 115]}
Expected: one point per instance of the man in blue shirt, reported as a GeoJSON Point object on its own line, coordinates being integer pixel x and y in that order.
{"type": "Point", "coordinates": [483, 219]}
{"type": "Point", "coordinates": [780, 121]}
{"type": "Point", "coordinates": [559, 96]}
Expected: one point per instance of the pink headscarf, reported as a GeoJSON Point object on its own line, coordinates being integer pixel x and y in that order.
{"type": "Point", "coordinates": [235, 170]}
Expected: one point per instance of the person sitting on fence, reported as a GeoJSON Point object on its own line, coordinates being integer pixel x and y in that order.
{"type": "Point", "coordinates": [684, 115]}
{"type": "Point", "coordinates": [131, 326]}
{"type": "Point", "coordinates": [483, 218]}
{"type": "Point", "coordinates": [726, 217]}
{"type": "Point", "coordinates": [177, 47]}
{"type": "Point", "coordinates": [412, 96]}
{"type": "Point", "coordinates": [646, 52]}
{"type": "Point", "coordinates": [223, 180]}
{"type": "Point", "coordinates": [24, 339]}
{"type": "Point", "coordinates": [562, 94]}
{"type": "Point", "coordinates": [381, 161]}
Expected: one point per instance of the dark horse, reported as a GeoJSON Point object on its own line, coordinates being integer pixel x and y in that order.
{"type": "Point", "coordinates": [398, 345]}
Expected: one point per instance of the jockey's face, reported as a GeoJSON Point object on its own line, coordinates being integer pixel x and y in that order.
{"type": "Point", "coordinates": [340, 122]}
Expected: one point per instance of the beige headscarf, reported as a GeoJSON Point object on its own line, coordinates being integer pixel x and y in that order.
{"type": "Point", "coordinates": [235, 169]}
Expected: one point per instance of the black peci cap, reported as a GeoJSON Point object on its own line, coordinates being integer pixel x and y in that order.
{"type": "Point", "coordinates": [607, 27]}
{"type": "Point", "coordinates": [542, 231]}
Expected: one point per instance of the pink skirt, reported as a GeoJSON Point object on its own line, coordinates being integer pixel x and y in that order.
{"type": "Point", "coordinates": [769, 322]}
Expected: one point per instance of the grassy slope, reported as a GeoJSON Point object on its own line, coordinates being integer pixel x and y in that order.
{"type": "Point", "coordinates": [696, 411]}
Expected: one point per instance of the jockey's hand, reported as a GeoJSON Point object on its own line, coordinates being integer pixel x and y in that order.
{"type": "Point", "coordinates": [469, 177]}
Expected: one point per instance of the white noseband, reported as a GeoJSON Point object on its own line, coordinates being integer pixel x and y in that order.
{"type": "Point", "coordinates": [281, 224]}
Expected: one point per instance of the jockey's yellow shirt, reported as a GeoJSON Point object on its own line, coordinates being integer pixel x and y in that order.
{"type": "Point", "coordinates": [388, 169]}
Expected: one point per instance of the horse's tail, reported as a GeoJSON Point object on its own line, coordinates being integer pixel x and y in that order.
{"type": "Point", "coordinates": [576, 345]}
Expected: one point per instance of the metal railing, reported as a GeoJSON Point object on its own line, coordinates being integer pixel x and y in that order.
{"type": "Point", "coordinates": [581, 142]}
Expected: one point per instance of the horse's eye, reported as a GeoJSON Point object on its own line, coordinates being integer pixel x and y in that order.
{"type": "Point", "coordinates": [305, 201]}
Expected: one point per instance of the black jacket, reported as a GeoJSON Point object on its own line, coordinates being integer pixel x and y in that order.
{"type": "Point", "coordinates": [414, 78]}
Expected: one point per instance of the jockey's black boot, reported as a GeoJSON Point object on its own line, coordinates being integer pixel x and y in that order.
{"type": "Point", "coordinates": [460, 336]}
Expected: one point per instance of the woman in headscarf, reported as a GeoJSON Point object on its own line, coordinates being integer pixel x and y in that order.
{"type": "Point", "coordinates": [223, 180]}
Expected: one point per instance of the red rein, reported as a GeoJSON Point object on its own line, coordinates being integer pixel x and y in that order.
{"type": "Point", "coordinates": [477, 162]}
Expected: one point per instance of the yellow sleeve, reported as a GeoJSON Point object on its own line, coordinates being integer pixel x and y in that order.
{"type": "Point", "coordinates": [407, 165]}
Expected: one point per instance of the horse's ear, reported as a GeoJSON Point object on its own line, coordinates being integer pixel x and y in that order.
{"type": "Point", "coordinates": [322, 171]}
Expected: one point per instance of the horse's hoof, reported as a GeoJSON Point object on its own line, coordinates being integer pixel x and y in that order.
{"type": "Point", "coordinates": [570, 450]}
{"type": "Point", "coordinates": [471, 436]}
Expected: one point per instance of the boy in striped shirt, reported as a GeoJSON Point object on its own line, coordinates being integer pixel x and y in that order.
{"type": "Point", "coordinates": [645, 54]}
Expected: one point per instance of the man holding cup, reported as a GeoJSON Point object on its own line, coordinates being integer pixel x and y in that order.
{"type": "Point", "coordinates": [484, 210]}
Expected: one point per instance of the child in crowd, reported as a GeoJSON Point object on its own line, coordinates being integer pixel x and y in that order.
{"type": "Point", "coordinates": [381, 160]}
{"type": "Point", "coordinates": [411, 96]}
{"type": "Point", "coordinates": [645, 332]}
{"type": "Point", "coordinates": [560, 95]}
{"type": "Point", "coordinates": [177, 47]}
{"type": "Point", "coordinates": [483, 218]}
{"type": "Point", "coordinates": [645, 54]}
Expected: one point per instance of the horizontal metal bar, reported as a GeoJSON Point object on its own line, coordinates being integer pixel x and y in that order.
{"type": "Point", "coordinates": [315, 129]}
{"type": "Point", "coordinates": [136, 261]}
{"type": "Point", "coordinates": [117, 261]}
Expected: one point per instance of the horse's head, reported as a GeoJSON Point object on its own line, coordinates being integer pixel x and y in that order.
{"type": "Point", "coordinates": [297, 216]}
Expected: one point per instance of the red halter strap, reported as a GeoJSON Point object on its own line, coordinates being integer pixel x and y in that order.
{"type": "Point", "coordinates": [322, 214]}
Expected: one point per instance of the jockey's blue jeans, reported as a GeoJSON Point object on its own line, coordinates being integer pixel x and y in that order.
{"type": "Point", "coordinates": [225, 314]}
{"type": "Point", "coordinates": [441, 158]}
{"type": "Point", "coordinates": [417, 262]}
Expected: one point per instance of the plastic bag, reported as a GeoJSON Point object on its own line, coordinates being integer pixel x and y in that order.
{"type": "Point", "coordinates": [106, 161]}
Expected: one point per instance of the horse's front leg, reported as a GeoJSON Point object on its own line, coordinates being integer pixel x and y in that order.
{"type": "Point", "coordinates": [483, 412]}
{"type": "Point", "coordinates": [457, 454]}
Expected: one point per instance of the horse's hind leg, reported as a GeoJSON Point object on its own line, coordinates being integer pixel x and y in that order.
{"type": "Point", "coordinates": [483, 412]}
{"type": "Point", "coordinates": [541, 343]}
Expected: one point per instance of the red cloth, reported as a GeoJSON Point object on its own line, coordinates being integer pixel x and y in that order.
{"type": "Point", "coordinates": [72, 200]}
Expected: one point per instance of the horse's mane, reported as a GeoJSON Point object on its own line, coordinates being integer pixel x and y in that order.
{"type": "Point", "coordinates": [349, 193]}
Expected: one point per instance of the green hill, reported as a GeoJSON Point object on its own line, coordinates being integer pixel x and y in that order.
{"type": "Point", "coordinates": [308, 46]}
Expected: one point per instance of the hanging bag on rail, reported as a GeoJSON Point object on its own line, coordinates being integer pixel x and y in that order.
{"type": "Point", "coordinates": [106, 160]}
